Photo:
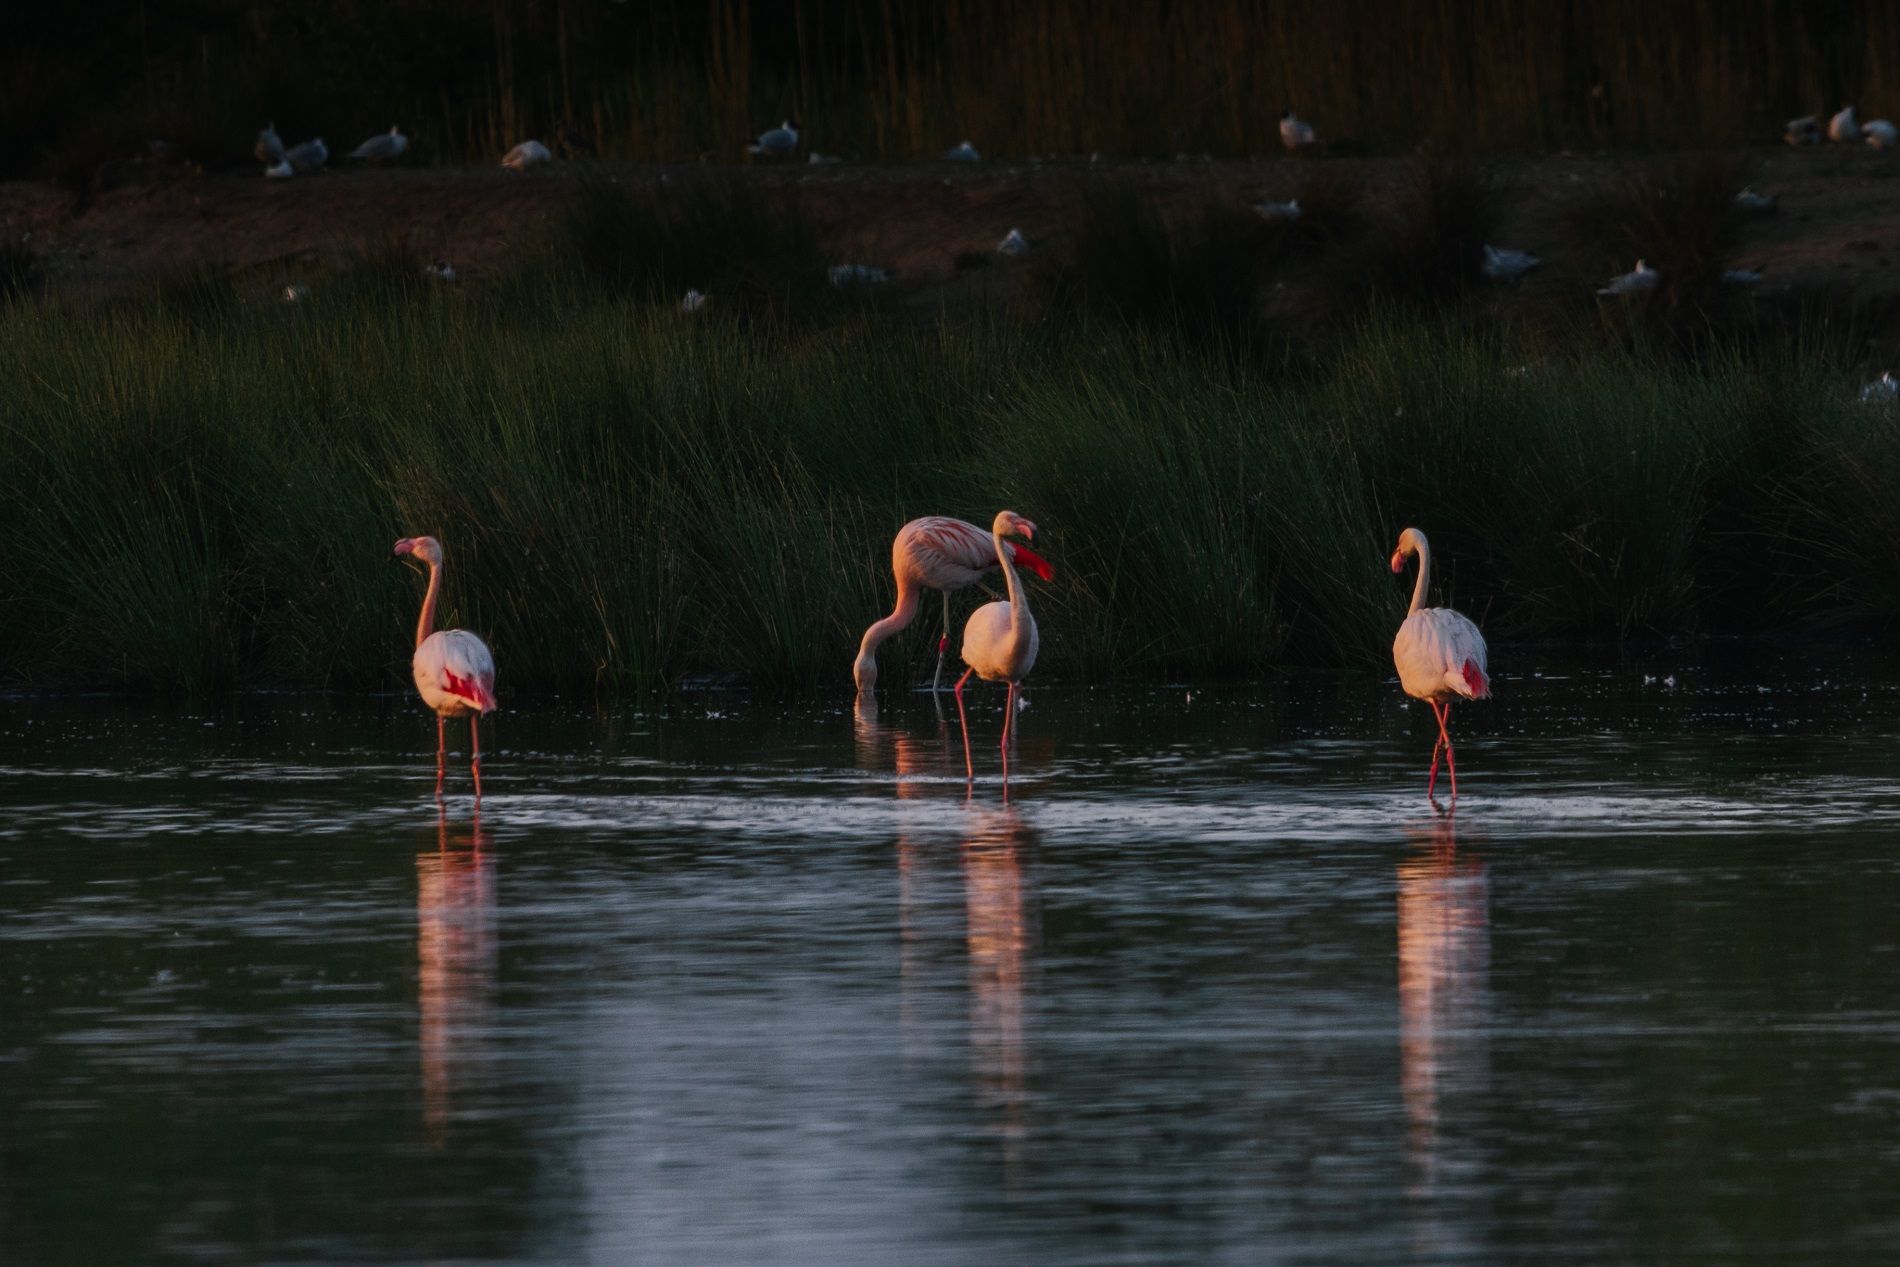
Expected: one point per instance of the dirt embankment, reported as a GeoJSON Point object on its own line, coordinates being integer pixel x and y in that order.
{"type": "Point", "coordinates": [1836, 227]}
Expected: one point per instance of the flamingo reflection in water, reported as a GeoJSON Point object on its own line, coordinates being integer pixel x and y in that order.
{"type": "Point", "coordinates": [917, 761]}
{"type": "Point", "coordinates": [456, 958]}
{"type": "Point", "coordinates": [1444, 921]}
{"type": "Point", "coordinates": [1001, 930]}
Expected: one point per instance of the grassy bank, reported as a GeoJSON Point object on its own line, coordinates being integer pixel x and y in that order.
{"type": "Point", "coordinates": [200, 489]}
{"type": "Point", "coordinates": [83, 87]}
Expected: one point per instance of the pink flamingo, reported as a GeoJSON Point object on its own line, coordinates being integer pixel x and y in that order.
{"type": "Point", "coordinates": [1000, 639]}
{"type": "Point", "coordinates": [454, 672]}
{"type": "Point", "coordinates": [1439, 654]}
{"type": "Point", "coordinates": [936, 553]}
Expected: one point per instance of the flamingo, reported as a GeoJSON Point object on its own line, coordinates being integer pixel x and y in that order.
{"type": "Point", "coordinates": [1439, 653]}
{"type": "Point", "coordinates": [939, 553]}
{"type": "Point", "coordinates": [1000, 638]}
{"type": "Point", "coordinates": [454, 671]}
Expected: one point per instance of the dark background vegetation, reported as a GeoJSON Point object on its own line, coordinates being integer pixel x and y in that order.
{"type": "Point", "coordinates": [85, 81]}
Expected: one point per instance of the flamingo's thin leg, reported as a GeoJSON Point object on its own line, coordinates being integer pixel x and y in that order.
{"type": "Point", "coordinates": [936, 683]}
{"type": "Point", "coordinates": [475, 747]}
{"type": "Point", "coordinates": [1431, 784]}
{"type": "Point", "coordinates": [963, 719]}
{"type": "Point", "coordinates": [441, 751]}
{"type": "Point", "coordinates": [1009, 716]}
{"type": "Point", "coordinates": [1451, 762]}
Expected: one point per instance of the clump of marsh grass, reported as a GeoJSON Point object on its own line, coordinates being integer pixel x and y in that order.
{"type": "Point", "coordinates": [754, 248]}
{"type": "Point", "coordinates": [1429, 240]}
{"type": "Point", "coordinates": [1679, 217]}
{"type": "Point", "coordinates": [21, 272]}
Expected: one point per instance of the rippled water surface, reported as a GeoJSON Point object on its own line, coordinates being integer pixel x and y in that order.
{"type": "Point", "coordinates": [741, 983]}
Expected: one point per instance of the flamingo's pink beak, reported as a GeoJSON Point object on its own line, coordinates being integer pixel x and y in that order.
{"type": "Point", "coordinates": [1398, 562]}
{"type": "Point", "coordinates": [406, 546]}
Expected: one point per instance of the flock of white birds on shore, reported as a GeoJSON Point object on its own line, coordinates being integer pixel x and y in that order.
{"type": "Point", "coordinates": [1297, 136]}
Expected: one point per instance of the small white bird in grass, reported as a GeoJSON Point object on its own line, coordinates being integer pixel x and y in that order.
{"type": "Point", "coordinates": [1297, 134]}
{"type": "Point", "coordinates": [962, 152]}
{"type": "Point", "coordinates": [1741, 277]}
{"type": "Point", "coordinates": [1500, 265]}
{"type": "Point", "coordinates": [776, 143]}
{"type": "Point", "coordinates": [1000, 639]}
{"type": "Point", "coordinates": [453, 669]}
{"type": "Point", "coordinates": [1278, 212]}
{"type": "Point", "coordinates": [525, 155]}
{"type": "Point", "coordinates": [1749, 200]}
{"type": "Point", "coordinates": [1880, 134]}
{"type": "Point", "coordinates": [280, 170]}
{"type": "Point", "coordinates": [1013, 243]}
{"type": "Point", "coordinates": [380, 149]}
{"type": "Point", "coordinates": [1844, 127]}
{"type": "Point", "coordinates": [296, 292]}
{"type": "Point", "coordinates": [1637, 281]}
{"type": "Point", "coordinates": [442, 271]}
{"type": "Point", "coordinates": [1440, 655]}
{"type": "Point", "coordinates": [1805, 130]}
{"type": "Point", "coordinates": [309, 156]}
{"type": "Point", "coordinates": [1882, 391]}
{"type": "Point", "coordinates": [693, 302]}
{"type": "Point", "coordinates": [845, 276]}
{"type": "Point", "coordinates": [270, 146]}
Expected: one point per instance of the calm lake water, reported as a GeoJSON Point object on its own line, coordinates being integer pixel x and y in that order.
{"type": "Point", "coordinates": [738, 983]}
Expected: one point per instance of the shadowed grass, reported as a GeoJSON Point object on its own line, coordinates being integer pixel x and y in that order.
{"type": "Point", "coordinates": [207, 496]}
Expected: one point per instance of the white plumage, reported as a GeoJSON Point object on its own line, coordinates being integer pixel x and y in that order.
{"type": "Point", "coordinates": [308, 156]}
{"type": "Point", "coordinates": [270, 146]}
{"type": "Point", "coordinates": [453, 669]}
{"type": "Point", "coordinates": [1439, 653]}
{"type": "Point", "coordinates": [963, 152]}
{"type": "Point", "coordinates": [1500, 264]}
{"type": "Point", "coordinates": [846, 276]}
{"type": "Point", "coordinates": [1278, 212]}
{"type": "Point", "coordinates": [1000, 640]}
{"type": "Point", "coordinates": [525, 155]}
{"type": "Point", "coordinates": [280, 170]}
{"type": "Point", "coordinates": [455, 673]}
{"type": "Point", "coordinates": [1296, 134]}
{"type": "Point", "coordinates": [1844, 127]}
{"type": "Point", "coordinates": [390, 144]}
{"type": "Point", "coordinates": [1749, 200]}
{"type": "Point", "coordinates": [776, 143]}
{"type": "Point", "coordinates": [1880, 134]}
{"type": "Point", "coordinates": [1805, 130]}
{"type": "Point", "coordinates": [1637, 281]}
{"type": "Point", "coordinates": [1013, 243]}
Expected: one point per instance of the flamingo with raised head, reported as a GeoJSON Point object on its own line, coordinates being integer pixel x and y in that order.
{"type": "Point", "coordinates": [454, 671]}
{"type": "Point", "coordinates": [1439, 653]}
{"type": "Point", "coordinates": [934, 553]}
{"type": "Point", "coordinates": [1000, 639]}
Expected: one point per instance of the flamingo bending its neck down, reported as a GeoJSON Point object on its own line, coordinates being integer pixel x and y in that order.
{"type": "Point", "coordinates": [1000, 639]}
{"type": "Point", "coordinates": [1439, 653]}
{"type": "Point", "coordinates": [454, 672]}
{"type": "Point", "coordinates": [935, 553]}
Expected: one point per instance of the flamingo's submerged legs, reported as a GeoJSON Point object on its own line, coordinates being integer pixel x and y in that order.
{"type": "Point", "coordinates": [441, 751]}
{"type": "Point", "coordinates": [943, 642]}
{"type": "Point", "coordinates": [963, 719]}
{"type": "Point", "coordinates": [475, 747]}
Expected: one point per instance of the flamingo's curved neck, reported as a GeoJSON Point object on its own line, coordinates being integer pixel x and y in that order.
{"type": "Point", "coordinates": [1018, 598]}
{"type": "Point", "coordinates": [900, 617]}
{"type": "Point", "coordinates": [1424, 577]}
{"type": "Point", "coordinates": [425, 624]}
